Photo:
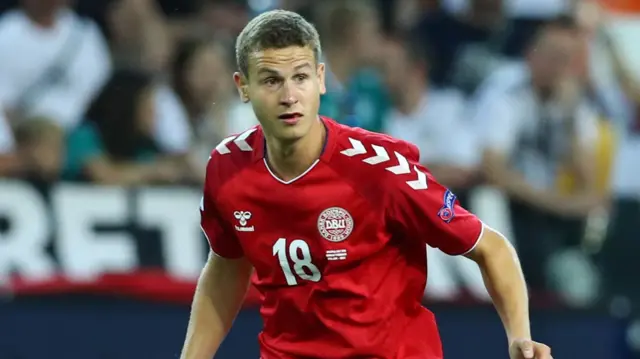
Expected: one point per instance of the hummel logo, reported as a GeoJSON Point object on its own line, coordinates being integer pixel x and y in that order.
{"type": "Point", "coordinates": [243, 217]}
{"type": "Point", "coordinates": [381, 156]}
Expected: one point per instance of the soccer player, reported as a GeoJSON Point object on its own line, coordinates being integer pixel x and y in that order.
{"type": "Point", "coordinates": [334, 222]}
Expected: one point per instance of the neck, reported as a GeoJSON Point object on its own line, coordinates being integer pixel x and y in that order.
{"type": "Point", "coordinates": [45, 19]}
{"type": "Point", "coordinates": [339, 63]}
{"type": "Point", "coordinates": [289, 160]}
{"type": "Point", "coordinates": [411, 99]}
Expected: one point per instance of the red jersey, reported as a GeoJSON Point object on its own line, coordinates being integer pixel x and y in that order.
{"type": "Point", "coordinates": [339, 252]}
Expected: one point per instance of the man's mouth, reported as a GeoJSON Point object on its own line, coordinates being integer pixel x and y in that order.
{"type": "Point", "coordinates": [290, 118]}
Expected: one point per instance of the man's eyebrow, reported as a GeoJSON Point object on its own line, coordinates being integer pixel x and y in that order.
{"type": "Point", "coordinates": [266, 70]}
{"type": "Point", "coordinates": [300, 67]}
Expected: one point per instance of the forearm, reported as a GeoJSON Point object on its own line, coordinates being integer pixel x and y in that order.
{"type": "Point", "coordinates": [218, 298]}
{"type": "Point", "coordinates": [504, 280]}
{"type": "Point", "coordinates": [516, 186]}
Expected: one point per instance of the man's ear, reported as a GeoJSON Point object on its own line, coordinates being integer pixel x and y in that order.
{"type": "Point", "coordinates": [241, 85]}
{"type": "Point", "coordinates": [321, 70]}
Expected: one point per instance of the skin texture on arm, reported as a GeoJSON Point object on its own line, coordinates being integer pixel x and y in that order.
{"type": "Point", "coordinates": [219, 295]}
{"type": "Point", "coordinates": [505, 282]}
{"type": "Point", "coordinates": [503, 277]}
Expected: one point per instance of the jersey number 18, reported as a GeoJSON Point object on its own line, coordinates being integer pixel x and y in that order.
{"type": "Point", "coordinates": [297, 252]}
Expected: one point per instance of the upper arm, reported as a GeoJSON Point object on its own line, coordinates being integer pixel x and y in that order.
{"type": "Point", "coordinates": [236, 269]}
{"type": "Point", "coordinates": [490, 244]}
{"type": "Point", "coordinates": [420, 208]}
{"type": "Point", "coordinates": [221, 238]}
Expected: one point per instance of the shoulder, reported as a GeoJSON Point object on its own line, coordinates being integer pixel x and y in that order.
{"type": "Point", "coordinates": [10, 22]}
{"type": "Point", "coordinates": [373, 161]}
{"type": "Point", "coordinates": [232, 155]}
{"type": "Point", "coordinates": [447, 99]}
{"type": "Point", "coordinates": [506, 79]}
{"type": "Point", "coordinates": [355, 143]}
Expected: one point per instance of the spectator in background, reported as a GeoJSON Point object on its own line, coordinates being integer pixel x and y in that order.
{"type": "Point", "coordinates": [355, 94]}
{"type": "Point", "coordinates": [140, 35]}
{"type": "Point", "coordinates": [433, 120]}
{"type": "Point", "coordinates": [620, 95]}
{"type": "Point", "coordinates": [201, 78]}
{"type": "Point", "coordinates": [466, 46]}
{"type": "Point", "coordinates": [537, 122]}
{"type": "Point", "coordinates": [53, 62]}
{"type": "Point", "coordinates": [115, 144]}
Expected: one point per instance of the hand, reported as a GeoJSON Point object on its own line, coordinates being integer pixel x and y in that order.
{"type": "Point", "coordinates": [570, 205]}
{"type": "Point", "coordinates": [580, 205]}
{"type": "Point", "coordinates": [528, 349]}
{"type": "Point", "coordinates": [569, 92]}
{"type": "Point", "coordinates": [166, 172]}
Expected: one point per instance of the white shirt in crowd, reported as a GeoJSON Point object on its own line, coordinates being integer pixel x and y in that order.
{"type": "Point", "coordinates": [74, 45]}
{"type": "Point", "coordinates": [438, 128]}
{"type": "Point", "coordinates": [534, 9]}
{"type": "Point", "coordinates": [6, 135]}
{"type": "Point", "coordinates": [173, 128]}
{"type": "Point", "coordinates": [533, 135]}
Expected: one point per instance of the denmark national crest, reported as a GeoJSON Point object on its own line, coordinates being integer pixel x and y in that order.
{"type": "Point", "coordinates": [335, 224]}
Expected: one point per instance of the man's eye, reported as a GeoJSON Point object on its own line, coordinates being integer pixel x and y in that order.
{"type": "Point", "coordinates": [301, 77]}
{"type": "Point", "coordinates": [270, 81]}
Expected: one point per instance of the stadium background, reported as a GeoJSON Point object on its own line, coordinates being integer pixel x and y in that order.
{"type": "Point", "coordinates": [99, 237]}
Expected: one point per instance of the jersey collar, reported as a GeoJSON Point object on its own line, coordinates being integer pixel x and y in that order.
{"type": "Point", "coordinates": [329, 142]}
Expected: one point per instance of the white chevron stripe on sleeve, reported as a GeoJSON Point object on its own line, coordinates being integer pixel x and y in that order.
{"type": "Point", "coordinates": [402, 167]}
{"type": "Point", "coordinates": [241, 142]}
{"type": "Point", "coordinates": [380, 157]}
{"type": "Point", "coordinates": [421, 182]}
{"type": "Point", "coordinates": [357, 148]}
{"type": "Point", "coordinates": [222, 146]}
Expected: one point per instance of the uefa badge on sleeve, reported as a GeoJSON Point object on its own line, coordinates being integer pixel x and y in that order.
{"type": "Point", "coordinates": [335, 224]}
{"type": "Point", "coordinates": [447, 211]}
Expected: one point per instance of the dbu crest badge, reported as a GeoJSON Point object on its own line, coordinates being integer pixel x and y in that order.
{"type": "Point", "coordinates": [335, 224]}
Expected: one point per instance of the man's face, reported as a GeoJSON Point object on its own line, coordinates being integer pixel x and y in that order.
{"type": "Point", "coordinates": [284, 88]}
{"type": "Point", "coordinates": [44, 5]}
{"type": "Point", "coordinates": [552, 56]}
{"type": "Point", "coordinates": [401, 72]}
{"type": "Point", "coordinates": [366, 42]}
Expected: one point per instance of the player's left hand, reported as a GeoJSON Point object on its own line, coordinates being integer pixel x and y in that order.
{"type": "Point", "coordinates": [528, 349]}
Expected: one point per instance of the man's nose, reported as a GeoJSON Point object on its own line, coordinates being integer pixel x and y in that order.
{"type": "Point", "coordinates": [288, 97]}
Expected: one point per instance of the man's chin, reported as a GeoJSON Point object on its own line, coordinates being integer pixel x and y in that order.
{"type": "Point", "coordinates": [288, 133]}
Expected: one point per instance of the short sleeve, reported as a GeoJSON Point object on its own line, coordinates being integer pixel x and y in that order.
{"type": "Point", "coordinates": [420, 208]}
{"type": "Point", "coordinates": [222, 241]}
{"type": "Point", "coordinates": [171, 130]}
{"type": "Point", "coordinates": [494, 116]}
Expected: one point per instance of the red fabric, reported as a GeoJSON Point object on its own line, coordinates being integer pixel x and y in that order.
{"type": "Point", "coordinates": [153, 285]}
{"type": "Point", "coordinates": [353, 296]}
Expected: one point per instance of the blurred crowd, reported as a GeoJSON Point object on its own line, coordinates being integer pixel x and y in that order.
{"type": "Point", "coordinates": [530, 97]}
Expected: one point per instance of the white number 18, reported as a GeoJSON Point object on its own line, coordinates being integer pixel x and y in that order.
{"type": "Point", "coordinates": [300, 255]}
